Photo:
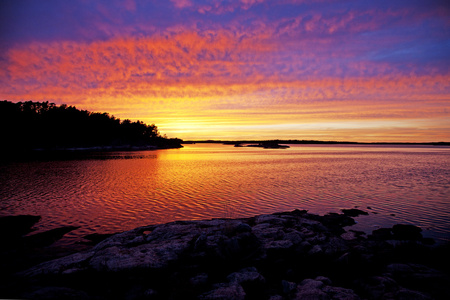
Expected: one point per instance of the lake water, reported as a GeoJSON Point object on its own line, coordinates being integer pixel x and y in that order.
{"type": "Point", "coordinates": [118, 191]}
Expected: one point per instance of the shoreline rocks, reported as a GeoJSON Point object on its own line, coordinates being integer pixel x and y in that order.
{"type": "Point", "coordinates": [289, 255]}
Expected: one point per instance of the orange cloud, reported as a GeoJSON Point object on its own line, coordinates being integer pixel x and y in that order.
{"type": "Point", "coordinates": [225, 84]}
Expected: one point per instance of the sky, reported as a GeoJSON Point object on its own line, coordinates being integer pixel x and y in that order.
{"type": "Point", "coordinates": [367, 71]}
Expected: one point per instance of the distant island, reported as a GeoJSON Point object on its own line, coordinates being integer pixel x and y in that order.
{"type": "Point", "coordinates": [42, 126]}
{"type": "Point", "coordinates": [306, 142]}
{"type": "Point", "coordinates": [265, 145]}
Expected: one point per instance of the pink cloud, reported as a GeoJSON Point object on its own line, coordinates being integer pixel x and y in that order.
{"type": "Point", "coordinates": [181, 3]}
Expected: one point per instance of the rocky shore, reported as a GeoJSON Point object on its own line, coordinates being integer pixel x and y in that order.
{"type": "Point", "coordinates": [290, 255]}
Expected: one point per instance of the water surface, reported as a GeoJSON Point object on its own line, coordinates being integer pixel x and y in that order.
{"type": "Point", "coordinates": [119, 191]}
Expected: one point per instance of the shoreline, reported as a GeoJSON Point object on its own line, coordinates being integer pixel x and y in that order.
{"type": "Point", "coordinates": [287, 255]}
{"type": "Point", "coordinates": [71, 153]}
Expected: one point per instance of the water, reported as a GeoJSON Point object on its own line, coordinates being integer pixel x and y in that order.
{"type": "Point", "coordinates": [119, 191]}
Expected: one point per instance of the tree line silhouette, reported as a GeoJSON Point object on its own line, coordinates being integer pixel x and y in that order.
{"type": "Point", "coordinates": [42, 125]}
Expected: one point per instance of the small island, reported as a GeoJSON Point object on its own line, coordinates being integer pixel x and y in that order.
{"type": "Point", "coordinates": [265, 145]}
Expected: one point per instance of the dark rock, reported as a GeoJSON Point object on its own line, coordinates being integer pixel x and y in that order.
{"type": "Point", "coordinates": [48, 237]}
{"type": "Point", "coordinates": [96, 238]}
{"type": "Point", "coordinates": [315, 250]}
{"type": "Point", "coordinates": [288, 287]}
{"type": "Point", "coordinates": [381, 234]}
{"type": "Point", "coordinates": [254, 258]}
{"type": "Point", "coordinates": [231, 291]}
{"type": "Point", "coordinates": [12, 227]}
{"type": "Point", "coordinates": [335, 222]}
{"type": "Point", "coordinates": [317, 289]}
{"type": "Point", "coordinates": [405, 294]}
{"type": "Point", "coordinates": [243, 228]}
{"type": "Point", "coordinates": [353, 212]}
{"type": "Point", "coordinates": [246, 275]}
{"type": "Point", "coordinates": [200, 279]}
{"type": "Point", "coordinates": [377, 286]}
{"type": "Point", "coordinates": [48, 293]}
{"type": "Point", "coordinates": [406, 232]}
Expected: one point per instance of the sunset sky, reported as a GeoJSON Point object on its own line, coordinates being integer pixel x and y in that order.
{"type": "Point", "coordinates": [238, 69]}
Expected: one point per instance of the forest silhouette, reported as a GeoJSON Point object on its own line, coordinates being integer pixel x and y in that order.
{"type": "Point", "coordinates": [27, 126]}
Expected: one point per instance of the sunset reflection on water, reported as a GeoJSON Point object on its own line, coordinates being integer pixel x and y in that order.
{"type": "Point", "coordinates": [202, 181]}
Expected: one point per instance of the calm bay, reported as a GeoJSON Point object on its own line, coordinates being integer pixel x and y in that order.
{"type": "Point", "coordinates": [117, 191]}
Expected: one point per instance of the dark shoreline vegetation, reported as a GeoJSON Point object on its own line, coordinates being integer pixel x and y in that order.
{"type": "Point", "coordinates": [287, 255]}
{"type": "Point", "coordinates": [45, 129]}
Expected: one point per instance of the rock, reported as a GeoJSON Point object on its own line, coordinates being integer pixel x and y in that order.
{"type": "Point", "coordinates": [338, 293]}
{"type": "Point", "coordinates": [69, 264]}
{"type": "Point", "coordinates": [349, 236]}
{"type": "Point", "coordinates": [353, 212]}
{"type": "Point", "coordinates": [96, 238]}
{"type": "Point", "coordinates": [315, 250]}
{"type": "Point", "coordinates": [57, 293]}
{"type": "Point", "coordinates": [48, 237]}
{"type": "Point", "coordinates": [232, 291]}
{"type": "Point", "coordinates": [294, 236]}
{"type": "Point", "coordinates": [323, 279]}
{"type": "Point", "coordinates": [317, 289]}
{"type": "Point", "coordinates": [271, 219]}
{"type": "Point", "coordinates": [378, 286]}
{"type": "Point", "coordinates": [416, 272]}
{"type": "Point", "coordinates": [151, 255]}
{"type": "Point", "coordinates": [278, 245]}
{"type": "Point", "coordinates": [246, 275]}
{"type": "Point", "coordinates": [381, 234]}
{"type": "Point", "coordinates": [12, 227]}
{"type": "Point", "coordinates": [335, 246]}
{"type": "Point", "coordinates": [405, 294]}
{"type": "Point", "coordinates": [288, 286]}
{"type": "Point", "coordinates": [200, 279]}
{"type": "Point", "coordinates": [216, 259]}
{"type": "Point", "coordinates": [242, 227]}
{"type": "Point", "coordinates": [238, 247]}
{"type": "Point", "coordinates": [406, 232]}
{"type": "Point", "coordinates": [335, 222]}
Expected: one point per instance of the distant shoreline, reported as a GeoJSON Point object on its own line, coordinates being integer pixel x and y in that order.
{"type": "Point", "coordinates": [77, 152]}
{"type": "Point", "coordinates": [308, 142]}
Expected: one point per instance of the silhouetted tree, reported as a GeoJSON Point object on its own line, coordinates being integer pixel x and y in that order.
{"type": "Point", "coordinates": [31, 125]}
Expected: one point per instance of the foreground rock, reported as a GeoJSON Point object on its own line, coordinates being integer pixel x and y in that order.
{"type": "Point", "coordinates": [292, 255]}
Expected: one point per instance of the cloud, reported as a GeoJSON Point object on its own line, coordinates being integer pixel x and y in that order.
{"type": "Point", "coordinates": [181, 3]}
{"type": "Point", "coordinates": [243, 62]}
